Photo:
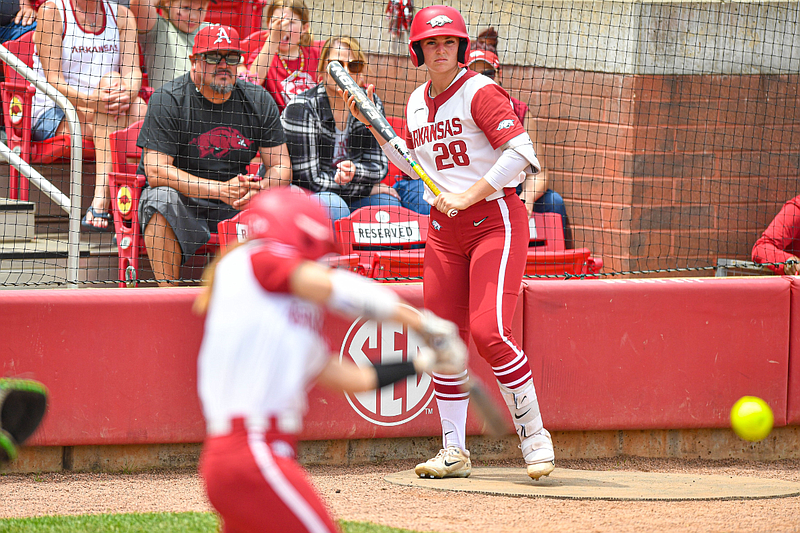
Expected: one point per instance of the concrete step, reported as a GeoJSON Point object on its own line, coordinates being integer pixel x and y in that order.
{"type": "Point", "coordinates": [42, 261]}
{"type": "Point", "coordinates": [16, 220]}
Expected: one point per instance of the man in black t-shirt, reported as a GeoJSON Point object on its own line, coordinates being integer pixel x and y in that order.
{"type": "Point", "coordinates": [200, 133]}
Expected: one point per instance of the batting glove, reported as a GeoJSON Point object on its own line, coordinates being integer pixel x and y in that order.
{"type": "Point", "coordinates": [443, 339]}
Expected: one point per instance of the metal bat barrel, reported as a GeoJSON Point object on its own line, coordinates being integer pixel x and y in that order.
{"type": "Point", "coordinates": [364, 104]}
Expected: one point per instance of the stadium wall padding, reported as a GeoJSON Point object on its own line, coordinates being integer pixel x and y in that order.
{"type": "Point", "coordinates": [618, 354]}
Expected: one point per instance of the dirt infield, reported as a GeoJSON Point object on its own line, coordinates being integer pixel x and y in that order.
{"type": "Point", "coordinates": [361, 494]}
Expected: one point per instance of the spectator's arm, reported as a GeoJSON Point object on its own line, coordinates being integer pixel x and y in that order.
{"type": "Point", "coordinates": [279, 166]}
{"type": "Point", "coordinates": [534, 187]}
{"type": "Point", "coordinates": [772, 245]}
{"type": "Point", "coordinates": [303, 130]}
{"type": "Point", "coordinates": [129, 52]}
{"type": "Point", "coordinates": [161, 172]}
{"type": "Point", "coordinates": [261, 64]}
{"type": "Point", "coordinates": [145, 14]}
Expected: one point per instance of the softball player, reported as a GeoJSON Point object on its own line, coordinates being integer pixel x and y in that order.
{"type": "Point", "coordinates": [464, 133]}
{"type": "Point", "coordinates": [262, 349]}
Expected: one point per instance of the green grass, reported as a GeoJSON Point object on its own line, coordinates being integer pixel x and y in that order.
{"type": "Point", "coordinates": [145, 523]}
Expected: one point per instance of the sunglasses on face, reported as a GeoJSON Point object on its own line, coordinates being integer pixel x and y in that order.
{"type": "Point", "coordinates": [214, 58]}
{"type": "Point", "coordinates": [489, 73]}
{"type": "Point", "coordinates": [353, 67]}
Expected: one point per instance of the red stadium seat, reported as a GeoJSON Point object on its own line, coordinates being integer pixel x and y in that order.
{"type": "Point", "coordinates": [547, 253]}
{"type": "Point", "coordinates": [387, 239]}
{"type": "Point", "coordinates": [126, 189]}
{"type": "Point", "coordinates": [16, 94]}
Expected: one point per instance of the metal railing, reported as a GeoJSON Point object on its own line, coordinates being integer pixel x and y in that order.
{"type": "Point", "coordinates": [71, 205]}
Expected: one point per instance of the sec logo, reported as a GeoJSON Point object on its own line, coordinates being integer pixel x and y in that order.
{"type": "Point", "coordinates": [368, 341]}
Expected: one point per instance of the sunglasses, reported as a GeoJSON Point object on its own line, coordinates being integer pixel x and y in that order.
{"type": "Point", "coordinates": [489, 73]}
{"type": "Point", "coordinates": [215, 58]}
{"type": "Point", "coordinates": [353, 67]}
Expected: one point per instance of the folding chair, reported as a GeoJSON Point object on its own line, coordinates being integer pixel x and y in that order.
{"type": "Point", "coordinates": [126, 190]}
{"type": "Point", "coordinates": [17, 100]}
{"type": "Point", "coordinates": [387, 239]}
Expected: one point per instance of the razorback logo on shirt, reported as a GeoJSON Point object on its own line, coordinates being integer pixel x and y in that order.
{"type": "Point", "coordinates": [440, 20]}
{"type": "Point", "coordinates": [505, 124]}
{"type": "Point", "coordinates": [220, 141]}
{"type": "Point", "coordinates": [437, 131]}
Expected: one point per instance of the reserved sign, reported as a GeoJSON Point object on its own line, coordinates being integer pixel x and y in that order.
{"type": "Point", "coordinates": [386, 233]}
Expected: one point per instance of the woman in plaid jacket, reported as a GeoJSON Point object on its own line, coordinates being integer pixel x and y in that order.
{"type": "Point", "coordinates": [333, 154]}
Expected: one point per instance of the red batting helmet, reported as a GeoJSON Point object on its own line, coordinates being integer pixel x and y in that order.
{"type": "Point", "coordinates": [289, 216]}
{"type": "Point", "coordinates": [433, 21]}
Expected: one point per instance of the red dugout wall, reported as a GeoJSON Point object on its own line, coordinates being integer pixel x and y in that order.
{"type": "Point", "coordinates": [628, 354]}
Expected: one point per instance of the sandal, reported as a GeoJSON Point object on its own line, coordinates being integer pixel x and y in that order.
{"type": "Point", "coordinates": [85, 224]}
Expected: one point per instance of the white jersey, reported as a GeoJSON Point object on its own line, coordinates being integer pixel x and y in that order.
{"type": "Point", "coordinates": [86, 56]}
{"type": "Point", "coordinates": [457, 135]}
{"type": "Point", "coordinates": [262, 346]}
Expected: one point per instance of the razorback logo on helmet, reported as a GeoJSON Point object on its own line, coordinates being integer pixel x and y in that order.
{"type": "Point", "coordinates": [505, 124]}
{"type": "Point", "coordinates": [368, 342]}
{"type": "Point", "coordinates": [222, 35]}
{"type": "Point", "coordinates": [220, 141]}
{"type": "Point", "coordinates": [440, 20]}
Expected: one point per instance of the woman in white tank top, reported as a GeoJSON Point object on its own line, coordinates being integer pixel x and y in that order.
{"type": "Point", "coordinates": [86, 49]}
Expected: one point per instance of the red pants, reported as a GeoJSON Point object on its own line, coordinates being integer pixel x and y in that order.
{"type": "Point", "coordinates": [255, 490]}
{"type": "Point", "coordinates": [474, 264]}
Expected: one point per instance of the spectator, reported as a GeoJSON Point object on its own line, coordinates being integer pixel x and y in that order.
{"type": "Point", "coordinates": [255, 368]}
{"type": "Point", "coordinates": [86, 49]}
{"type": "Point", "coordinates": [333, 154]}
{"type": "Point", "coordinates": [287, 63]}
{"type": "Point", "coordinates": [201, 131]}
{"type": "Point", "coordinates": [536, 194]}
{"type": "Point", "coordinates": [167, 40]}
{"type": "Point", "coordinates": [780, 242]}
{"type": "Point", "coordinates": [17, 17]}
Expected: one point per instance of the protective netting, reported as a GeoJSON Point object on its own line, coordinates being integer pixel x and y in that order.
{"type": "Point", "coordinates": [667, 132]}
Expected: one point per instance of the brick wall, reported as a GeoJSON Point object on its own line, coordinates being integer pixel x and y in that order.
{"type": "Point", "coordinates": [656, 171]}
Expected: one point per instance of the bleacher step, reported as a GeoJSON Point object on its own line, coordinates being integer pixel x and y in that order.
{"type": "Point", "coordinates": [16, 220]}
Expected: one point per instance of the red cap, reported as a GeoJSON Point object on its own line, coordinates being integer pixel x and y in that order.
{"type": "Point", "coordinates": [216, 37]}
{"type": "Point", "coordinates": [484, 55]}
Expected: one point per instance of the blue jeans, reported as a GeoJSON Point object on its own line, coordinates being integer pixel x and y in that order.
{"type": "Point", "coordinates": [410, 192]}
{"type": "Point", "coordinates": [551, 202]}
{"type": "Point", "coordinates": [337, 208]}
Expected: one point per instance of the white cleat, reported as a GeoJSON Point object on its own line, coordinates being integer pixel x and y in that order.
{"type": "Point", "coordinates": [538, 452]}
{"type": "Point", "coordinates": [449, 462]}
{"type": "Point", "coordinates": [538, 470]}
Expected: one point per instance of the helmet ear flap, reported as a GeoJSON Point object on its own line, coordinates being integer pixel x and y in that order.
{"type": "Point", "coordinates": [419, 58]}
{"type": "Point", "coordinates": [463, 45]}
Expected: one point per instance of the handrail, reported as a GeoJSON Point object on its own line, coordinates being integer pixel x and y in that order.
{"type": "Point", "coordinates": [71, 205]}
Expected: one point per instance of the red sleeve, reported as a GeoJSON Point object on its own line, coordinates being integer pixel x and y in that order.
{"type": "Point", "coordinates": [781, 239]}
{"type": "Point", "coordinates": [273, 266]}
{"type": "Point", "coordinates": [492, 111]}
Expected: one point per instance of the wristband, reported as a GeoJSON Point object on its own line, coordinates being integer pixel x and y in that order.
{"type": "Point", "coordinates": [368, 126]}
{"type": "Point", "coordinates": [392, 372]}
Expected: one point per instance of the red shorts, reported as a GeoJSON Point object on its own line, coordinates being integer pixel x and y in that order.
{"type": "Point", "coordinates": [254, 482]}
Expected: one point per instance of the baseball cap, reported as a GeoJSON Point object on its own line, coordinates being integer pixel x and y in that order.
{"type": "Point", "coordinates": [484, 55]}
{"type": "Point", "coordinates": [216, 37]}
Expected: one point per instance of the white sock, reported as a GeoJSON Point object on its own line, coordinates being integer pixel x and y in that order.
{"type": "Point", "coordinates": [454, 422]}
